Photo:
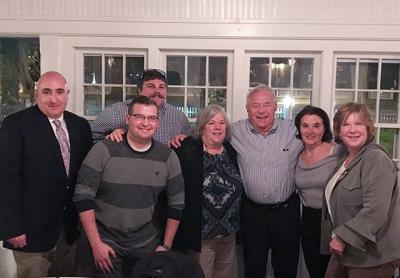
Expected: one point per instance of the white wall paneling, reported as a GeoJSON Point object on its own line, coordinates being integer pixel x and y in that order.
{"type": "Point", "coordinates": [205, 10]}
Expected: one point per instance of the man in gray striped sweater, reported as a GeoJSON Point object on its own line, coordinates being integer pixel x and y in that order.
{"type": "Point", "coordinates": [117, 190]}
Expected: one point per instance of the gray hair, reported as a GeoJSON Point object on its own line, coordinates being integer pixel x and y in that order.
{"type": "Point", "coordinates": [261, 88]}
{"type": "Point", "coordinates": [205, 116]}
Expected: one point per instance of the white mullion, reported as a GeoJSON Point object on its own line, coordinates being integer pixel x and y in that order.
{"type": "Point", "coordinates": [291, 85]}
{"type": "Point", "coordinates": [207, 80]}
{"type": "Point", "coordinates": [123, 77]}
{"type": "Point", "coordinates": [270, 72]}
{"type": "Point", "coordinates": [103, 81]}
{"type": "Point", "coordinates": [378, 134]}
{"type": "Point", "coordinates": [395, 144]}
{"type": "Point", "coordinates": [356, 79]}
{"type": "Point", "coordinates": [185, 86]}
{"type": "Point", "coordinates": [378, 92]}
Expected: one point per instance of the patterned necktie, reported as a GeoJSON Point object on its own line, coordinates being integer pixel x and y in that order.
{"type": "Point", "coordinates": [64, 144]}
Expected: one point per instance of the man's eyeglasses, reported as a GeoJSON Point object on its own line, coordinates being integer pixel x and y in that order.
{"type": "Point", "coordinates": [141, 117]}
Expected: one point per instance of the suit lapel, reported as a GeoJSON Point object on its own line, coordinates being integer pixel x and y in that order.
{"type": "Point", "coordinates": [45, 126]}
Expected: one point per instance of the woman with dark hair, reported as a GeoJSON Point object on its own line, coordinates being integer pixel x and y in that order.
{"type": "Point", "coordinates": [315, 163]}
{"type": "Point", "coordinates": [361, 209]}
{"type": "Point", "coordinates": [213, 189]}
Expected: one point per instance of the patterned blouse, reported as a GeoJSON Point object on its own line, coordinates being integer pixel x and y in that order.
{"type": "Point", "coordinates": [222, 191]}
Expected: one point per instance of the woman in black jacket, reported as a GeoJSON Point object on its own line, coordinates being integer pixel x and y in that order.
{"type": "Point", "coordinates": [213, 189]}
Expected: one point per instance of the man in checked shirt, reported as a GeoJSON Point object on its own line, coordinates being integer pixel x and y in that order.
{"type": "Point", "coordinates": [112, 123]}
{"type": "Point", "coordinates": [153, 84]}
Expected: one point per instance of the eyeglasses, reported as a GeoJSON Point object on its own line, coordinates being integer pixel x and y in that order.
{"type": "Point", "coordinates": [152, 73]}
{"type": "Point", "coordinates": [141, 117]}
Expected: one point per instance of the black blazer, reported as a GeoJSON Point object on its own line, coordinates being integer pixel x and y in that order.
{"type": "Point", "coordinates": [190, 155]}
{"type": "Point", "coordinates": [35, 192]}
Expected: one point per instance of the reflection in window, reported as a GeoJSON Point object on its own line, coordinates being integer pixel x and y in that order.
{"type": "Point", "coordinates": [217, 71]}
{"type": "Point", "coordinates": [19, 69]}
{"type": "Point", "coordinates": [390, 74]}
{"type": "Point", "coordinates": [195, 81]}
{"type": "Point", "coordinates": [196, 70]}
{"type": "Point", "coordinates": [109, 78]}
{"type": "Point", "coordinates": [303, 73]}
{"type": "Point", "coordinates": [376, 87]}
{"type": "Point", "coordinates": [368, 74]}
{"type": "Point", "coordinates": [388, 140]}
{"type": "Point", "coordinates": [291, 78]}
{"type": "Point", "coordinates": [217, 96]}
{"type": "Point", "coordinates": [280, 72]}
{"type": "Point", "coordinates": [345, 74]}
{"type": "Point", "coordinates": [92, 100]}
{"type": "Point", "coordinates": [134, 68]}
{"type": "Point", "coordinates": [259, 71]}
{"type": "Point", "coordinates": [342, 97]}
{"type": "Point", "coordinates": [176, 70]}
{"type": "Point", "coordinates": [113, 95]}
{"type": "Point", "coordinates": [113, 69]}
{"type": "Point", "coordinates": [92, 69]}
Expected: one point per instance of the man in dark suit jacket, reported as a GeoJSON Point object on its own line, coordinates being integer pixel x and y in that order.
{"type": "Point", "coordinates": [37, 178]}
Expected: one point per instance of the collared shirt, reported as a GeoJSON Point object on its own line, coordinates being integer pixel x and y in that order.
{"type": "Point", "coordinates": [63, 125]}
{"type": "Point", "coordinates": [267, 162]}
{"type": "Point", "coordinates": [172, 122]}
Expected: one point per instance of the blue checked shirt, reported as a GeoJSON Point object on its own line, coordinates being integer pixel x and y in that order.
{"type": "Point", "coordinates": [172, 122]}
{"type": "Point", "coordinates": [267, 163]}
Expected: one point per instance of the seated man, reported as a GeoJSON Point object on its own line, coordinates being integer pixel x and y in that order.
{"type": "Point", "coordinates": [118, 186]}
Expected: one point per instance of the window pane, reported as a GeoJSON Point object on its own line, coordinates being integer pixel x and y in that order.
{"type": "Point", "coordinates": [195, 101]}
{"type": "Point", "coordinates": [285, 103]}
{"type": "Point", "coordinates": [176, 97]}
{"type": "Point", "coordinates": [113, 69]}
{"type": "Point", "coordinates": [19, 69]}
{"type": "Point", "coordinates": [388, 107]}
{"type": "Point", "coordinates": [345, 74]}
{"type": "Point", "coordinates": [280, 73]}
{"type": "Point", "coordinates": [342, 98]}
{"type": "Point", "coordinates": [301, 99]}
{"type": "Point", "coordinates": [197, 70]}
{"type": "Point", "coordinates": [176, 70]}
{"type": "Point", "coordinates": [92, 65]}
{"type": "Point", "coordinates": [92, 100]}
{"type": "Point", "coordinates": [259, 71]}
{"type": "Point", "coordinates": [303, 72]}
{"type": "Point", "coordinates": [217, 96]}
{"type": "Point", "coordinates": [217, 71]}
{"type": "Point", "coordinates": [388, 140]}
{"type": "Point", "coordinates": [130, 92]}
{"type": "Point", "coordinates": [113, 95]}
{"type": "Point", "coordinates": [390, 74]}
{"type": "Point", "coordinates": [368, 75]}
{"type": "Point", "coordinates": [134, 68]}
{"type": "Point", "coordinates": [369, 100]}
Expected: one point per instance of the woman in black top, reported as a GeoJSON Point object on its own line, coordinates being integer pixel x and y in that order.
{"type": "Point", "coordinates": [213, 189]}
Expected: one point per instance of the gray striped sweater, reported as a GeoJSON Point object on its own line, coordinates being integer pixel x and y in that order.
{"type": "Point", "coordinates": [122, 186]}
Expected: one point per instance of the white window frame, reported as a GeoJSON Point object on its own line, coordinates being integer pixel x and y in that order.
{"type": "Point", "coordinates": [376, 57]}
{"type": "Point", "coordinates": [79, 99]}
{"type": "Point", "coordinates": [293, 55]}
{"type": "Point", "coordinates": [229, 81]}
